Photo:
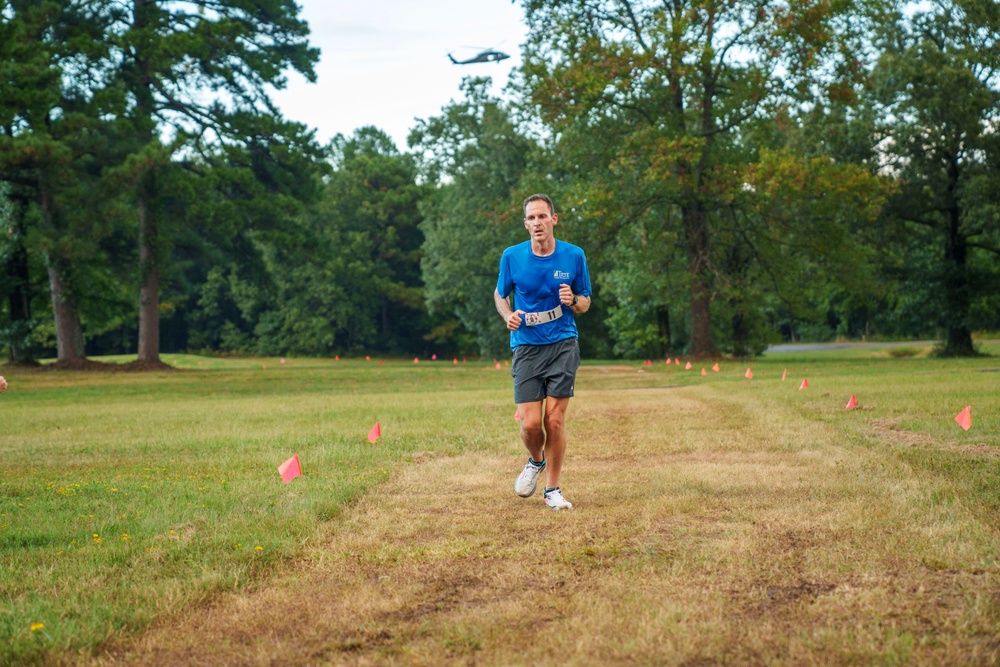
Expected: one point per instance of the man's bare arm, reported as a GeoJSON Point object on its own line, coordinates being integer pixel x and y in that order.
{"type": "Point", "coordinates": [566, 298]}
{"type": "Point", "coordinates": [513, 318]}
{"type": "Point", "coordinates": [502, 306]}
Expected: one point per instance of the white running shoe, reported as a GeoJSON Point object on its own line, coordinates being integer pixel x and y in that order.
{"type": "Point", "coordinates": [526, 482]}
{"type": "Point", "coordinates": [555, 500]}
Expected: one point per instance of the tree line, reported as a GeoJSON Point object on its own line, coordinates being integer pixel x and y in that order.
{"type": "Point", "coordinates": [739, 172]}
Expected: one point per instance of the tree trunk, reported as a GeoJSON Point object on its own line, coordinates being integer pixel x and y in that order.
{"type": "Point", "coordinates": [956, 280]}
{"type": "Point", "coordinates": [69, 331]}
{"type": "Point", "coordinates": [663, 322]}
{"type": "Point", "coordinates": [144, 16]}
{"type": "Point", "coordinates": [149, 291]}
{"type": "Point", "coordinates": [19, 298]}
{"type": "Point", "coordinates": [696, 217]}
{"type": "Point", "coordinates": [956, 283]}
{"type": "Point", "coordinates": [696, 231]}
{"type": "Point", "coordinates": [741, 336]}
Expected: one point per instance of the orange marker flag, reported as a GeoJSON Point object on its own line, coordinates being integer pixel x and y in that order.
{"type": "Point", "coordinates": [703, 372]}
{"type": "Point", "coordinates": [416, 360]}
{"type": "Point", "coordinates": [851, 404]}
{"type": "Point", "coordinates": [454, 361]}
{"type": "Point", "coordinates": [783, 374]}
{"type": "Point", "coordinates": [687, 366]}
{"type": "Point", "coordinates": [677, 361]}
{"type": "Point", "coordinates": [290, 469]}
{"type": "Point", "coordinates": [367, 358]}
{"type": "Point", "coordinates": [749, 374]}
{"type": "Point", "coordinates": [375, 433]}
{"type": "Point", "coordinates": [964, 418]}
{"type": "Point", "coordinates": [805, 384]}
{"type": "Point", "coordinates": [668, 361]}
{"type": "Point", "coordinates": [716, 367]}
{"type": "Point", "coordinates": [498, 366]}
{"type": "Point", "coordinates": [379, 362]}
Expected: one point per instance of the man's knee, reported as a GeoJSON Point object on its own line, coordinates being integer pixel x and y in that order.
{"type": "Point", "coordinates": [531, 429]}
{"type": "Point", "coordinates": [554, 421]}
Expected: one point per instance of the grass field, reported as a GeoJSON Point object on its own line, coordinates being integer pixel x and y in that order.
{"type": "Point", "coordinates": [717, 519]}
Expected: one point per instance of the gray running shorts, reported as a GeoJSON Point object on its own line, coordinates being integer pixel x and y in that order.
{"type": "Point", "coordinates": [545, 370]}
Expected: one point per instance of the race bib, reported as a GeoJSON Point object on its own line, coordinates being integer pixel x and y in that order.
{"type": "Point", "coordinates": [534, 319]}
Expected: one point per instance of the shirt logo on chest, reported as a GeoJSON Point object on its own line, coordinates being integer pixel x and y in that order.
{"type": "Point", "coordinates": [560, 275]}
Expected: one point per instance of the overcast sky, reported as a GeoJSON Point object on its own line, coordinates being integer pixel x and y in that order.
{"type": "Point", "coordinates": [385, 62]}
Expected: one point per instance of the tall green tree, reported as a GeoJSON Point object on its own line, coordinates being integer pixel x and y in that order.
{"type": "Point", "coordinates": [648, 100]}
{"type": "Point", "coordinates": [50, 128]}
{"type": "Point", "coordinates": [939, 88]}
{"type": "Point", "coordinates": [374, 192]}
{"type": "Point", "coordinates": [477, 154]}
{"type": "Point", "coordinates": [229, 203]}
{"type": "Point", "coordinates": [345, 273]}
{"type": "Point", "coordinates": [197, 73]}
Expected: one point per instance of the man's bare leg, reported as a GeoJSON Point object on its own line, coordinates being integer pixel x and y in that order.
{"type": "Point", "coordinates": [532, 434]}
{"type": "Point", "coordinates": [555, 438]}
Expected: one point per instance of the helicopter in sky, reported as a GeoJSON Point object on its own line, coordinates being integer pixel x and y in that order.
{"type": "Point", "coordinates": [487, 56]}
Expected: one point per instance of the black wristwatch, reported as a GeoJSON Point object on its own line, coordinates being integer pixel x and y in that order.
{"type": "Point", "coordinates": [575, 299]}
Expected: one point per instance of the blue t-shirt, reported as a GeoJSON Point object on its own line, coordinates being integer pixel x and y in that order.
{"type": "Point", "coordinates": [535, 281]}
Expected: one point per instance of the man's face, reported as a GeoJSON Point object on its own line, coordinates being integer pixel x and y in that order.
{"type": "Point", "coordinates": [538, 221]}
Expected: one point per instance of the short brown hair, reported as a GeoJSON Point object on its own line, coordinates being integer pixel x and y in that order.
{"type": "Point", "coordinates": [544, 198]}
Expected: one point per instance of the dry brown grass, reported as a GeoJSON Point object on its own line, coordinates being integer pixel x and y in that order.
{"type": "Point", "coordinates": [706, 532]}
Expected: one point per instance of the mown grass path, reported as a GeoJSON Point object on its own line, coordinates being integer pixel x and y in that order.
{"type": "Point", "coordinates": [710, 527]}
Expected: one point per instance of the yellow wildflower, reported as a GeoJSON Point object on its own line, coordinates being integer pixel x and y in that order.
{"type": "Point", "coordinates": [35, 627]}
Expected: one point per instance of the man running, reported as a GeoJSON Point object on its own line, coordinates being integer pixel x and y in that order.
{"type": "Point", "coordinates": [550, 285]}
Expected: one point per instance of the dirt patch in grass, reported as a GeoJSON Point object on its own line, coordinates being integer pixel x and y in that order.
{"type": "Point", "coordinates": [979, 450]}
{"type": "Point", "coordinates": [887, 430]}
{"type": "Point", "coordinates": [770, 598]}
